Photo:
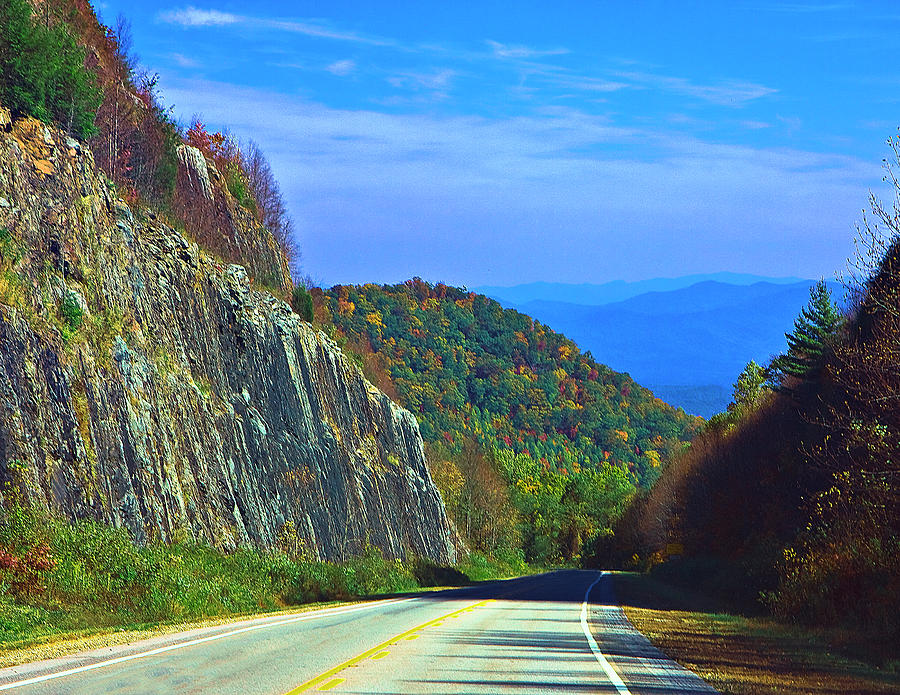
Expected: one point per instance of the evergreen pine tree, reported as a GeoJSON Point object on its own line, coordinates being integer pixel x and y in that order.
{"type": "Point", "coordinates": [818, 322]}
{"type": "Point", "coordinates": [748, 389]}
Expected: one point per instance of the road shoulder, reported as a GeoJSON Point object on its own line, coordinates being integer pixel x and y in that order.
{"type": "Point", "coordinates": [641, 667]}
{"type": "Point", "coordinates": [740, 654]}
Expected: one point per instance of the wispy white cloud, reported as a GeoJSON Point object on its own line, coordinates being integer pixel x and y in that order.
{"type": "Point", "coordinates": [844, 36]}
{"type": "Point", "coordinates": [523, 148]}
{"type": "Point", "coordinates": [588, 84]}
{"type": "Point", "coordinates": [193, 17]}
{"type": "Point", "coordinates": [438, 81]}
{"type": "Point", "coordinates": [502, 50]}
{"type": "Point", "coordinates": [732, 93]}
{"type": "Point", "coordinates": [885, 126]}
{"type": "Point", "coordinates": [183, 61]}
{"type": "Point", "coordinates": [727, 93]}
{"type": "Point", "coordinates": [321, 31]}
{"type": "Point", "coordinates": [688, 121]}
{"type": "Point", "coordinates": [341, 67]}
{"type": "Point", "coordinates": [806, 8]}
{"type": "Point", "coordinates": [792, 123]}
{"type": "Point", "coordinates": [755, 125]}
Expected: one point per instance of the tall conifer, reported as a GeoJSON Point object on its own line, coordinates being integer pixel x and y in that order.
{"type": "Point", "coordinates": [817, 323]}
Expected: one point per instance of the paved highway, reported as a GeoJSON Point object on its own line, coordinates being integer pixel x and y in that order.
{"type": "Point", "coordinates": [555, 632]}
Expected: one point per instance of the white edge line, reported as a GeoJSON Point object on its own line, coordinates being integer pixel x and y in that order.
{"type": "Point", "coordinates": [607, 667]}
{"type": "Point", "coordinates": [327, 612]}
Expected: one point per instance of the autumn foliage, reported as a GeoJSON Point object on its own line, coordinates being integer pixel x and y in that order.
{"type": "Point", "coordinates": [23, 571]}
{"type": "Point", "coordinates": [249, 179]}
{"type": "Point", "coordinates": [467, 368]}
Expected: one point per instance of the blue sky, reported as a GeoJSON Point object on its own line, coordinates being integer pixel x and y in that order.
{"type": "Point", "coordinates": [507, 142]}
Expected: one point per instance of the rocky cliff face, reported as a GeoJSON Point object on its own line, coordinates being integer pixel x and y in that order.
{"type": "Point", "coordinates": [145, 384]}
{"type": "Point", "coordinates": [205, 203]}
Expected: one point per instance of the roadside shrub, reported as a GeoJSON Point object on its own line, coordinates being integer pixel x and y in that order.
{"type": "Point", "coordinates": [428, 573]}
{"type": "Point", "coordinates": [508, 562]}
{"type": "Point", "coordinates": [371, 573]}
{"type": "Point", "coordinates": [58, 576]}
{"type": "Point", "coordinates": [18, 621]}
{"type": "Point", "coordinates": [24, 573]}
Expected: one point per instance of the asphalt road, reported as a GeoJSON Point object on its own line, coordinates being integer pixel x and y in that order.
{"type": "Point", "coordinates": [555, 632]}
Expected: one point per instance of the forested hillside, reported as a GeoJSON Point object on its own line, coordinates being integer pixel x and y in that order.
{"type": "Point", "coordinates": [480, 378]}
{"type": "Point", "coordinates": [792, 497]}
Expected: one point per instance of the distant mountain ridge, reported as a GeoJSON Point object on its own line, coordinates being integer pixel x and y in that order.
{"type": "Point", "coordinates": [617, 290]}
{"type": "Point", "coordinates": [687, 344]}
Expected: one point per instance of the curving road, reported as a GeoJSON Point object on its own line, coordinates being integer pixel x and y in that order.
{"type": "Point", "coordinates": [555, 632]}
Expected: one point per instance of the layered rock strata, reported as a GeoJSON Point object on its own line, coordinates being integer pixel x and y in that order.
{"type": "Point", "coordinates": [145, 384]}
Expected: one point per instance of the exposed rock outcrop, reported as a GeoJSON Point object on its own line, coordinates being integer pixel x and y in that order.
{"type": "Point", "coordinates": [206, 204]}
{"type": "Point", "coordinates": [195, 170]}
{"type": "Point", "coordinates": [146, 384]}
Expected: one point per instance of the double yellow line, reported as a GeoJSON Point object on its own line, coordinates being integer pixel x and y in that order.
{"type": "Point", "coordinates": [326, 680]}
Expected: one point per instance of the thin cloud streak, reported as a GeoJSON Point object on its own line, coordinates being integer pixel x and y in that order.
{"type": "Point", "coordinates": [501, 50]}
{"type": "Point", "coordinates": [183, 61]}
{"type": "Point", "coordinates": [437, 81]}
{"type": "Point", "coordinates": [729, 93]}
{"type": "Point", "coordinates": [194, 17]}
{"type": "Point", "coordinates": [341, 68]}
{"type": "Point", "coordinates": [804, 8]}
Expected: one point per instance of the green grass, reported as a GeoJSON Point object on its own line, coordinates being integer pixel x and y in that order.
{"type": "Point", "coordinates": [59, 579]}
{"type": "Point", "coordinates": [505, 562]}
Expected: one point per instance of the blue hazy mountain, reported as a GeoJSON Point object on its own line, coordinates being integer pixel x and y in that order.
{"type": "Point", "coordinates": [687, 344]}
{"type": "Point", "coordinates": [616, 291]}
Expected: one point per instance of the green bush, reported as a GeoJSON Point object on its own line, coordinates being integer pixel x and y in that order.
{"type": "Point", "coordinates": [237, 185]}
{"type": "Point", "coordinates": [504, 562]}
{"type": "Point", "coordinates": [302, 302]}
{"type": "Point", "coordinates": [42, 72]}
{"type": "Point", "coordinates": [70, 312]}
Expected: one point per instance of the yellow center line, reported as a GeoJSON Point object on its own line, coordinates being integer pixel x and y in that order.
{"type": "Point", "coordinates": [381, 655]}
{"type": "Point", "coordinates": [409, 634]}
{"type": "Point", "coordinates": [332, 683]}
